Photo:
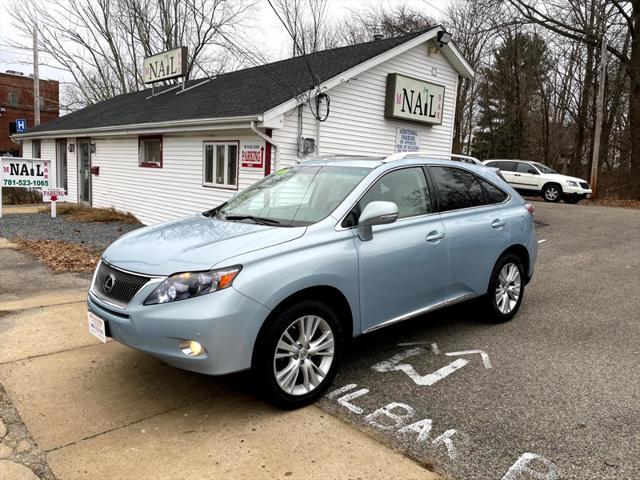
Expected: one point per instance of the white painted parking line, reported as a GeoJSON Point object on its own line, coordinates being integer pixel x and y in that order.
{"type": "Point", "coordinates": [485, 358]}
{"type": "Point", "coordinates": [542, 240]}
{"type": "Point", "coordinates": [521, 467]}
{"type": "Point", "coordinates": [394, 364]}
{"type": "Point", "coordinates": [394, 418]}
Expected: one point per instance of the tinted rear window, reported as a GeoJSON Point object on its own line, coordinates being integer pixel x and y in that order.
{"type": "Point", "coordinates": [456, 188]}
{"type": "Point", "coordinates": [492, 194]}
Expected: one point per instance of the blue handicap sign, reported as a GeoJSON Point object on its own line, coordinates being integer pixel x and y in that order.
{"type": "Point", "coordinates": [21, 125]}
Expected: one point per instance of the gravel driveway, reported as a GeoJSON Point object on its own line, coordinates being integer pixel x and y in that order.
{"type": "Point", "coordinates": [40, 226]}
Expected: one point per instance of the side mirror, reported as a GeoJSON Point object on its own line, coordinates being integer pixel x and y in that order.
{"type": "Point", "coordinates": [375, 213]}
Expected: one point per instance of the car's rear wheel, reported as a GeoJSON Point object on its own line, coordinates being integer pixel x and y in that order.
{"type": "Point", "coordinates": [552, 192]}
{"type": "Point", "coordinates": [506, 289]}
{"type": "Point", "coordinates": [298, 356]}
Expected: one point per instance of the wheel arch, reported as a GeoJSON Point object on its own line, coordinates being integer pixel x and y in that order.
{"type": "Point", "coordinates": [324, 293]}
{"type": "Point", "coordinates": [523, 254]}
{"type": "Point", "coordinates": [551, 182]}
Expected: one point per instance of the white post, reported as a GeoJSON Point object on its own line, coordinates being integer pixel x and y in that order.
{"type": "Point", "coordinates": [53, 208]}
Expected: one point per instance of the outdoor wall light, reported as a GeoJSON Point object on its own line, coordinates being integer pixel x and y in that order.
{"type": "Point", "coordinates": [72, 147]}
{"type": "Point", "coordinates": [444, 38]}
{"type": "Point", "coordinates": [93, 148]}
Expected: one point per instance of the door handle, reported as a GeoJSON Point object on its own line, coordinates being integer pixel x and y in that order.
{"type": "Point", "coordinates": [517, 175]}
{"type": "Point", "coordinates": [498, 223]}
{"type": "Point", "coordinates": [435, 236]}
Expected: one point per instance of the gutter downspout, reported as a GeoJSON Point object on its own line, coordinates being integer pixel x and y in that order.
{"type": "Point", "coordinates": [268, 139]}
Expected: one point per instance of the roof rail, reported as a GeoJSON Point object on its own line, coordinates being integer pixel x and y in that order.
{"type": "Point", "coordinates": [449, 156]}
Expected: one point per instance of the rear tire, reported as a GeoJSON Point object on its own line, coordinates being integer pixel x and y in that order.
{"type": "Point", "coordinates": [298, 356]}
{"type": "Point", "coordinates": [506, 289]}
{"type": "Point", "coordinates": [552, 192]}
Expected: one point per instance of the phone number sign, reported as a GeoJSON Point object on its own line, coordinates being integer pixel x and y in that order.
{"type": "Point", "coordinates": [24, 172]}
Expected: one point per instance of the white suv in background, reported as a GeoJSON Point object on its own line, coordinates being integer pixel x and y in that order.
{"type": "Point", "coordinates": [534, 177]}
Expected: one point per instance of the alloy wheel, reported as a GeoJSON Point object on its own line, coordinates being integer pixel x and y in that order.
{"type": "Point", "coordinates": [508, 289]}
{"type": "Point", "coordinates": [303, 355]}
{"type": "Point", "coordinates": [551, 193]}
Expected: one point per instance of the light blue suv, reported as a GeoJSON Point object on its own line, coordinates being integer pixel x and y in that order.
{"type": "Point", "coordinates": [280, 277]}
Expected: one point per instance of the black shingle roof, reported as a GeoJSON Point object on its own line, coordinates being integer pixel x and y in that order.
{"type": "Point", "coordinates": [251, 91]}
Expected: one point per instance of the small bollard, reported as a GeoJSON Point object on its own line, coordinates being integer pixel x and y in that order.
{"type": "Point", "coordinates": [53, 205]}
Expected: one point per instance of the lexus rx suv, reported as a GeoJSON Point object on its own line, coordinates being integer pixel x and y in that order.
{"type": "Point", "coordinates": [278, 278]}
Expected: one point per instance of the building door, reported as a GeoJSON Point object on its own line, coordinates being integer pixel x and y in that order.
{"type": "Point", "coordinates": [84, 171]}
{"type": "Point", "coordinates": [61, 164]}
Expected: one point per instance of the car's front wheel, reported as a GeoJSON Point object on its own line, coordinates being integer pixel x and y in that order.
{"type": "Point", "coordinates": [506, 289]}
{"type": "Point", "coordinates": [552, 192]}
{"type": "Point", "coordinates": [299, 354]}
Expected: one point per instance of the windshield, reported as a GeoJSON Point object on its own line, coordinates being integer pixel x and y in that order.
{"type": "Point", "coordinates": [543, 168]}
{"type": "Point", "coordinates": [293, 196]}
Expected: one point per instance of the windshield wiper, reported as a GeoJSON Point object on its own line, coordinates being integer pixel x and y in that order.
{"type": "Point", "coordinates": [260, 220]}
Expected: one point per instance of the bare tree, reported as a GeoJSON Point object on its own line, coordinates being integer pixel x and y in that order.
{"type": "Point", "coordinates": [101, 43]}
{"type": "Point", "coordinates": [388, 21]}
{"type": "Point", "coordinates": [474, 26]}
{"type": "Point", "coordinates": [307, 23]}
{"type": "Point", "coordinates": [590, 23]}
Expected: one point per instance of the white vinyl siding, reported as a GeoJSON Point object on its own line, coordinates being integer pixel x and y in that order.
{"type": "Point", "coordinates": [357, 124]}
{"type": "Point", "coordinates": [154, 195]}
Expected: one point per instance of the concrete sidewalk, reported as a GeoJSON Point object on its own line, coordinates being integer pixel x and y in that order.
{"type": "Point", "coordinates": [106, 411]}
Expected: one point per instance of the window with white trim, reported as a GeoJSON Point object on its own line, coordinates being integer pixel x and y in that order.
{"type": "Point", "coordinates": [150, 151]}
{"type": "Point", "coordinates": [221, 164]}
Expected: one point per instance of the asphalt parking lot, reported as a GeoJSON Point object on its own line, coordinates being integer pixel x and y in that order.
{"type": "Point", "coordinates": [553, 394]}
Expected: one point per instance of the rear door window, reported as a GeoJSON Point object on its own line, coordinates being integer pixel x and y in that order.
{"type": "Point", "coordinates": [456, 188]}
{"type": "Point", "coordinates": [508, 166]}
{"type": "Point", "coordinates": [526, 168]}
{"type": "Point", "coordinates": [492, 194]}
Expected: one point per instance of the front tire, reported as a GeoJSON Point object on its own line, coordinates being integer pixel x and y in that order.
{"type": "Point", "coordinates": [298, 357]}
{"type": "Point", "coordinates": [506, 289]}
{"type": "Point", "coordinates": [552, 192]}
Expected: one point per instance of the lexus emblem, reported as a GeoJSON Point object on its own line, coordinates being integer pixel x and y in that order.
{"type": "Point", "coordinates": [109, 283]}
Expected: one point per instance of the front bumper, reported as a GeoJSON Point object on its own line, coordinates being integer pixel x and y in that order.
{"type": "Point", "coordinates": [579, 191]}
{"type": "Point", "coordinates": [226, 323]}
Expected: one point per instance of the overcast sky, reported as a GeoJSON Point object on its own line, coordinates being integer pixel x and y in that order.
{"type": "Point", "coordinates": [267, 26]}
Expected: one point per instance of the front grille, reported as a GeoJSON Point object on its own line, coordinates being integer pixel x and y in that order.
{"type": "Point", "coordinates": [123, 285]}
{"type": "Point", "coordinates": [584, 185]}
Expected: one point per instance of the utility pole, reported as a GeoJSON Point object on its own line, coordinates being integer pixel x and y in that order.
{"type": "Point", "coordinates": [36, 79]}
{"type": "Point", "coordinates": [599, 113]}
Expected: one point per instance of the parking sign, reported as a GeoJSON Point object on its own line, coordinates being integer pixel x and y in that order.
{"type": "Point", "coordinates": [21, 125]}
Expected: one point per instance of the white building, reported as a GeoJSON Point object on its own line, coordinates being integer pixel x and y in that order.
{"type": "Point", "coordinates": [178, 152]}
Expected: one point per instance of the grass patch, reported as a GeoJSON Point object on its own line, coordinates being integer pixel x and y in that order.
{"type": "Point", "coordinates": [82, 213]}
{"type": "Point", "coordinates": [61, 256]}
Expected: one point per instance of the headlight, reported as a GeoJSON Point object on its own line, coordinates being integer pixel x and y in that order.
{"type": "Point", "coordinates": [192, 284]}
{"type": "Point", "coordinates": [571, 183]}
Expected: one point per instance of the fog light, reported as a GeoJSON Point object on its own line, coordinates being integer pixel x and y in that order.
{"type": "Point", "coordinates": [191, 348]}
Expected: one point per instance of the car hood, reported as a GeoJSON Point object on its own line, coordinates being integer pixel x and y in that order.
{"type": "Point", "coordinates": [562, 178]}
{"type": "Point", "coordinates": [192, 244]}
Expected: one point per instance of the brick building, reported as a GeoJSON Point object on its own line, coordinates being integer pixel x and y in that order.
{"type": "Point", "coordinates": [16, 102]}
